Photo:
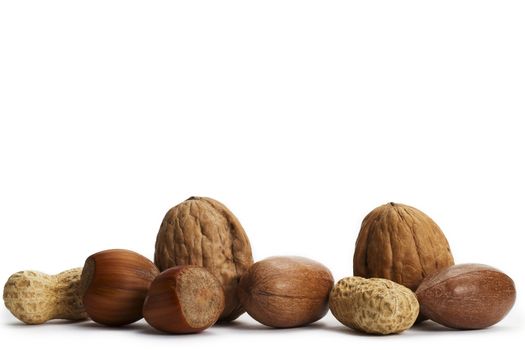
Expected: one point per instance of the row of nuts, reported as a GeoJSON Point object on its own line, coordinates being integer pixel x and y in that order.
{"type": "Point", "coordinates": [119, 287]}
{"type": "Point", "coordinates": [400, 243]}
{"type": "Point", "coordinates": [204, 273]}
{"type": "Point", "coordinates": [200, 254]}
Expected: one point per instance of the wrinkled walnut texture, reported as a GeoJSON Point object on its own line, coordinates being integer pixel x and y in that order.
{"type": "Point", "coordinates": [203, 232]}
{"type": "Point", "coordinates": [402, 244]}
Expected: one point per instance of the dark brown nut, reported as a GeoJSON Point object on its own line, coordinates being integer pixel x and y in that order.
{"type": "Point", "coordinates": [402, 244]}
{"type": "Point", "coordinates": [203, 232]}
{"type": "Point", "coordinates": [184, 299]}
{"type": "Point", "coordinates": [286, 292]}
{"type": "Point", "coordinates": [373, 305]}
{"type": "Point", "coordinates": [114, 284]}
{"type": "Point", "coordinates": [467, 296]}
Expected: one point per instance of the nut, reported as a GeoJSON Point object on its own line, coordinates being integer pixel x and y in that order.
{"type": "Point", "coordinates": [114, 285]}
{"type": "Point", "coordinates": [467, 296]}
{"type": "Point", "coordinates": [34, 297]}
{"type": "Point", "coordinates": [203, 232]}
{"type": "Point", "coordinates": [184, 299]}
{"type": "Point", "coordinates": [374, 305]}
{"type": "Point", "coordinates": [286, 291]}
{"type": "Point", "coordinates": [402, 244]}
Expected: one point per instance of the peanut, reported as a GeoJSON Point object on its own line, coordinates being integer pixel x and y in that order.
{"type": "Point", "coordinates": [35, 297]}
{"type": "Point", "coordinates": [374, 305]}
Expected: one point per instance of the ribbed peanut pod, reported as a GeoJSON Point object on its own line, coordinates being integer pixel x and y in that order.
{"type": "Point", "coordinates": [35, 297]}
{"type": "Point", "coordinates": [373, 305]}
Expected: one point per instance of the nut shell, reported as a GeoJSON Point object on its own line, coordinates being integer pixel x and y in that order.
{"type": "Point", "coordinates": [35, 297]}
{"type": "Point", "coordinates": [203, 232]}
{"type": "Point", "coordinates": [467, 296]}
{"type": "Point", "coordinates": [286, 292]}
{"type": "Point", "coordinates": [374, 305]}
{"type": "Point", "coordinates": [184, 299]}
{"type": "Point", "coordinates": [114, 285]}
{"type": "Point", "coordinates": [402, 244]}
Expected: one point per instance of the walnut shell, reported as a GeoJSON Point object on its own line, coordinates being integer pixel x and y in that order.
{"type": "Point", "coordinates": [374, 305]}
{"type": "Point", "coordinates": [203, 232]}
{"type": "Point", "coordinates": [402, 244]}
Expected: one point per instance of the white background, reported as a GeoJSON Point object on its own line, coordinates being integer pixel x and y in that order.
{"type": "Point", "coordinates": [300, 116]}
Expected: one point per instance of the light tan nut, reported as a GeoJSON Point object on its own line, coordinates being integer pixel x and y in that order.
{"type": "Point", "coordinates": [35, 297]}
{"type": "Point", "coordinates": [374, 305]}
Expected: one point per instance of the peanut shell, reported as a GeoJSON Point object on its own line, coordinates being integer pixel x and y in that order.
{"type": "Point", "coordinates": [374, 305]}
{"type": "Point", "coordinates": [35, 297]}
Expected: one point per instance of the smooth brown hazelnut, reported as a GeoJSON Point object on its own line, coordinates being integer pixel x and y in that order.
{"type": "Point", "coordinates": [184, 299]}
{"type": "Point", "coordinates": [114, 284]}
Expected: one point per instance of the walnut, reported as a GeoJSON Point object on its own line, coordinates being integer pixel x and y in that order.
{"type": "Point", "coordinates": [203, 232]}
{"type": "Point", "coordinates": [402, 244]}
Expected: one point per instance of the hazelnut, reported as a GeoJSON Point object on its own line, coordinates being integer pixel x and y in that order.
{"type": "Point", "coordinates": [184, 299]}
{"type": "Point", "coordinates": [114, 284]}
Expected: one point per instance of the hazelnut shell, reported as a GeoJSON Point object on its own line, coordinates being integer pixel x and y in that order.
{"type": "Point", "coordinates": [184, 299]}
{"type": "Point", "coordinates": [114, 284]}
